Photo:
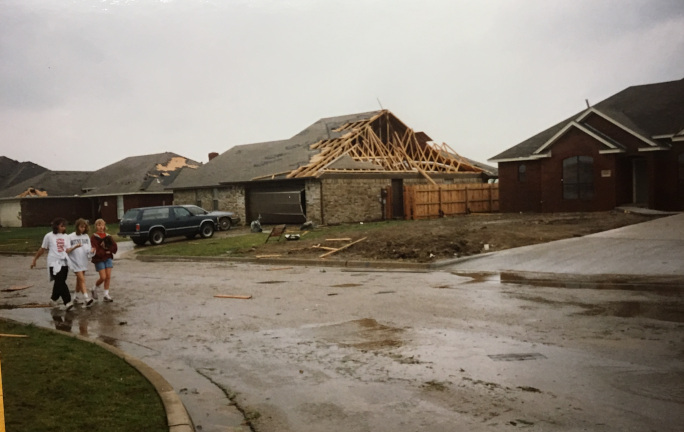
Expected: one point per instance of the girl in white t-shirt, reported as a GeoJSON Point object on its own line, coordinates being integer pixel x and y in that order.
{"type": "Point", "coordinates": [56, 243]}
{"type": "Point", "coordinates": [79, 259]}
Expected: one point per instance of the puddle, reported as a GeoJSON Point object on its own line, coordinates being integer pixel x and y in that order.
{"type": "Point", "coordinates": [666, 286]}
{"type": "Point", "coordinates": [362, 334]}
{"type": "Point", "coordinates": [517, 357]}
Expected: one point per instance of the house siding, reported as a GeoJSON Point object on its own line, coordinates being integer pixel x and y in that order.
{"type": "Point", "coordinates": [516, 195]}
{"type": "Point", "coordinates": [42, 211]}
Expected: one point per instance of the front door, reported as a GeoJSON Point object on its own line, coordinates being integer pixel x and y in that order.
{"type": "Point", "coordinates": [397, 198]}
{"type": "Point", "coordinates": [639, 182]}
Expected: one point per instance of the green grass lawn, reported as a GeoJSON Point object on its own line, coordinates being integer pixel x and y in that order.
{"type": "Point", "coordinates": [28, 240]}
{"type": "Point", "coordinates": [53, 382]}
{"type": "Point", "coordinates": [238, 245]}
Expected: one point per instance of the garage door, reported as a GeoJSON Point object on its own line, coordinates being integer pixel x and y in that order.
{"type": "Point", "coordinates": [277, 206]}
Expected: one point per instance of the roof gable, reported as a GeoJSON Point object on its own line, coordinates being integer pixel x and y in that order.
{"type": "Point", "coordinates": [650, 113]}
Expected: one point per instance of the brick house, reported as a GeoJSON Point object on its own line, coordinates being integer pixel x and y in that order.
{"type": "Point", "coordinates": [626, 150]}
{"type": "Point", "coordinates": [334, 171]}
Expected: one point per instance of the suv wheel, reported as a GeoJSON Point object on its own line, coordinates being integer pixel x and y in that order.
{"type": "Point", "coordinates": [157, 237]}
{"type": "Point", "coordinates": [207, 230]}
{"type": "Point", "coordinates": [225, 223]}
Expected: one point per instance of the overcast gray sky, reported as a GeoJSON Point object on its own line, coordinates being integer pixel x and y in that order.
{"type": "Point", "coordinates": [86, 83]}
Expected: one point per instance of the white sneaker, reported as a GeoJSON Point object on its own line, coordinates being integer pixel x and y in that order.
{"type": "Point", "coordinates": [93, 292]}
{"type": "Point", "coordinates": [89, 302]}
{"type": "Point", "coordinates": [77, 299]}
{"type": "Point", "coordinates": [69, 306]}
{"type": "Point", "coordinates": [108, 298]}
{"type": "Point", "coordinates": [54, 303]}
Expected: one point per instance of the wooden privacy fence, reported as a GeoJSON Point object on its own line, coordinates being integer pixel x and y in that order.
{"type": "Point", "coordinates": [433, 201]}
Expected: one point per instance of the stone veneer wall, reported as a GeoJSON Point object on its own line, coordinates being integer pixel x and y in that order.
{"type": "Point", "coordinates": [312, 191]}
{"type": "Point", "coordinates": [352, 200]}
{"type": "Point", "coordinates": [230, 198]}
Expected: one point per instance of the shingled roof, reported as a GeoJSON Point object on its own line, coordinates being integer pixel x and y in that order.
{"type": "Point", "coordinates": [13, 172]}
{"type": "Point", "coordinates": [654, 113]}
{"type": "Point", "coordinates": [374, 141]}
{"type": "Point", "coordinates": [138, 174]}
{"type": "Point", "coordinates": [49, 183]}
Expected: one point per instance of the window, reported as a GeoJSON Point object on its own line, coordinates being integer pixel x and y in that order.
{"type": "Point", "coordinates": [522, 170]}
{"type": "Point", "coordinates": [152, 214]}
{"type": "Point", "coordinates": [181, 212]}
{"type": "Point", "coordinates": [578, 178]}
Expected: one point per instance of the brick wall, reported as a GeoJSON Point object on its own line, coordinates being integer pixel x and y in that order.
{"type": "Point", "coordinates": [312, 191]}
{"type": "Point", "coordinates": [229, 198]}
{"type": "Point", "coordinates": [352, 200]}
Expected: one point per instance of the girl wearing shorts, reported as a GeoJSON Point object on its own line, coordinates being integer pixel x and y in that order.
{"type": "Point", "coordinates": [104, 248]}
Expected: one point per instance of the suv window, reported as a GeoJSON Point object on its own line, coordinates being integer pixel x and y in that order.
{"type": "Point", "coordinates": [131, 214]}
{"type": "Point", "coordinates": [181, 212]}
{"type": "Point", "coordinates": [152, 214]}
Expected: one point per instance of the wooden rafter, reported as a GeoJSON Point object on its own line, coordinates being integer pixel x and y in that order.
{"type": "Point", "coordinates": [400, 151]}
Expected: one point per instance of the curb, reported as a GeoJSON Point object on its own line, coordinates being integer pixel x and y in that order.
{"type": "Point", "coordinates": [356, 264]}
{"type": "Point", "coordinates": [177, 416]}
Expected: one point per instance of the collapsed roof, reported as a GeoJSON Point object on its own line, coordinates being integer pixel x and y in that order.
{"type": "Point", "coordinates": [371, 142]}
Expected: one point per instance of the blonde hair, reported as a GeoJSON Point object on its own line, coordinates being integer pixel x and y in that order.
{"type": "Point", "coordinates": [103, 221]}
{"type": "Point", "coordinates": [79, 222]}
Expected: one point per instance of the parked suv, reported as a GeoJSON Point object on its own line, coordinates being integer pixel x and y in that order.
{"type": "Point", "coordinates": [226, 219]}
{"type": "Point", "coordinates": [154, 224]}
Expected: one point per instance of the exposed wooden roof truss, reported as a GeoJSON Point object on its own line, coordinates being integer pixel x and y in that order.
{"type": "Point", "coordinates": [383, 144]}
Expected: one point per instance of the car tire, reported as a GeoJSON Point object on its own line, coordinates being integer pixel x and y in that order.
{"type": "Point", "coordinates": [139, 242]}
{"type": "Point", "coordinates": [207, 230]}
{"type": "Point", "coordinates": [225, 223]}
{"type": "Point", "coordinates": [157, 237]}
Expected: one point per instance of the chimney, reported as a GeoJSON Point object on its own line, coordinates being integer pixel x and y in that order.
{"type": "Point", "coordinates": [212, 155]}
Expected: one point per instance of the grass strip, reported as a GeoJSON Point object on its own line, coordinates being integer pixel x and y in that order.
{"type": "Point", "coordinates": [59, 383]}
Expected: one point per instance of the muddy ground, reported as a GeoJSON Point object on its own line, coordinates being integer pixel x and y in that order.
{"type": "Point", "coordinates": [453, 237]}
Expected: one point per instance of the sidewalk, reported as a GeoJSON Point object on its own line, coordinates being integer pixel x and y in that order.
{"type": "Point", "coordinates": [654, 248]}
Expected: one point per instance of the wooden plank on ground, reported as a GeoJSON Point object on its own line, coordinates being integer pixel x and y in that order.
{"type": "Point", "coordinates": [343, 247]}
{"type": "Point", "coordinates": [231, 296]}
{"type": "Point", "coordinates": [13, 335]}
{"type": "Point", "coordinates": [17, 287]}
{"type": "Point", "coordinates": [268, 256]}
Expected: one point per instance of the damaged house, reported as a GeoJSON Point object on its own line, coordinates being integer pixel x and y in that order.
{"type": "Point", "coordinates": [335, 171]}
{"type": "Point", "coordinates": [107, 193]}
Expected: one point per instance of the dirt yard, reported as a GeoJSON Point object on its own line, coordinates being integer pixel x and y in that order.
{"type": "Point", "coordinates": [453, 237]}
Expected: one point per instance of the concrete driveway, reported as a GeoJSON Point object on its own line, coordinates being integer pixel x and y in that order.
{"type": "Point", "coordinates": [321, 349]}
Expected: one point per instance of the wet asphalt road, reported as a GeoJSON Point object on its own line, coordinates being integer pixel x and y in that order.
{"type": "Point", "coordinates": [319, 349]}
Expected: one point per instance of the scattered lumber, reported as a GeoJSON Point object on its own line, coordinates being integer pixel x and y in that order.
{"type": "Point", "coordinates": [17, 288]}
{"type": "Point", "coordinates": [13, 335]}
{"type": "Point", "coordinates": [33, 305]}
{"type": "Point", "coordinates": [343, 247]}
{"type": "Point", "coordinates": [231, 296]}
{"type": "Point", "coordinates": [279, 268]}
{"type": "Point", "coordinates": [339, 239]}
{"type": "Point", "coordinates": [268, 256]}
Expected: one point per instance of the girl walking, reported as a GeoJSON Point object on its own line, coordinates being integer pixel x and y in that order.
{"type": "Point", "coordinates": [56, 243]}
{"type": "Point", "coordinates": [78, 260]}
{"type": "Point", "coordinates": [104, 248]}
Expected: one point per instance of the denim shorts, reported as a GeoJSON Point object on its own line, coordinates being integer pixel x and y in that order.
{"type": "Point", "coordinates": [108, 263]}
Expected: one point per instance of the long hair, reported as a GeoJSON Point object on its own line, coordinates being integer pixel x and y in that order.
{"type": "Point", "coordinates": [79, 222]}
{"type": "Point", "coordinates": [56, 223]}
